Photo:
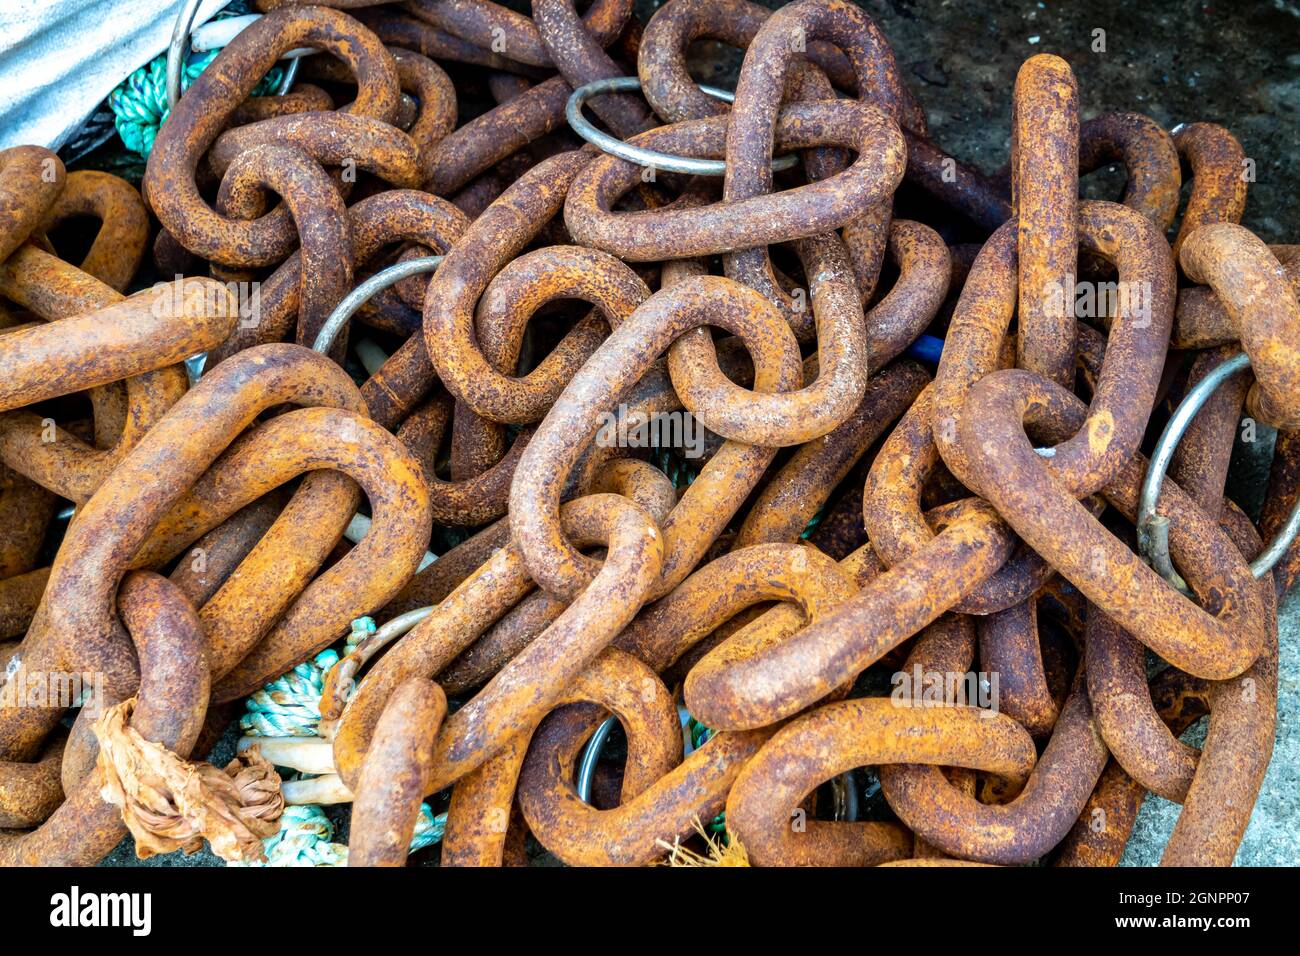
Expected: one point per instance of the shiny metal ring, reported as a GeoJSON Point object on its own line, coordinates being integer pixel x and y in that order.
{"type": "Point", "coordinates": [668, 162]}
{"type": "Point", "coordinates": [362, 293]}
{"type": "Point", "coordinates": [844, 794]}
{"type": "Point", "coordinates": [1153, 528]}
{"type": "Point", "coordinates": [179, 48]}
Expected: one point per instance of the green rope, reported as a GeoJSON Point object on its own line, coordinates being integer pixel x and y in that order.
{"type": "Point", "coordinates": [139, 103]}
{"type": "Point", "coordinates": [306, 838]}
{"type": "Point", "coordinates": [812, 525]}
{"type": "Point", "coordinates": [289, 706]}
{"type": "Point", "coordinates": [700, 735]}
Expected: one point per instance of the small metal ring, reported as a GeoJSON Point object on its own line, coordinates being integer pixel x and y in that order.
{"type": "Point", "coordinates": [843, 792]}
{"type": "Point", "coordinates": [362, 293]}
{"type": "Point", "coordinates": [591, 757]}
{"type": "Point", "coordinates": [668, 162]}
{"type": "Point", "coordinates": [178, 50]}
{"type": "Point", "coordinates": [1153, 528]}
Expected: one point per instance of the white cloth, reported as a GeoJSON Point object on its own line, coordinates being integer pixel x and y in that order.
{"type": "Point", "coordinates": [60, 58]}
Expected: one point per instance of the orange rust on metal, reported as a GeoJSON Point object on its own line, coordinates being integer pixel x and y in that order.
{"type": "Point", "coordinates": [1045, 197]}
{"type": "Point", "coordinates": [478, 818]}
{"type": "Point", "coordinates": [620, 361]}
{"type": "Point", "coordinates": [75, 625]}
{"type": "Point", "coordinates": [1126, 388]}
{"type": "Point", "coordinates": [897, 528]}
{"type": "Point", "coordinates": [760, 220]}
{"type": "Point", "coordinates": [330, 138]}
{"type": "Point", "coordinates": [33, 178]}
{"type": "Point", "coordinates": [397, 215]}
{"type": "Point", "coordinates": [852, 733]}
{"type": "Point", "coordinates": [756, 689]}
{"type": "Point", "coordinates": [202, 113]}
{"type": "Point", "coordinates": [1217, 642]}
{"type": "Point", "coordinates": [491, 25]}
{"type": "Point", "coordinates": [581, 60]}
{"type": "Point", "coordinates": [118, 246]}
{"type": "Point", "coordinates": [1217, 164]}
{"type": "Point", "coordinates": [527, 687]}
{"type": "Point", "coordinates": [793, 496]}
{"type": "Point", "coordinates": [1253, 288]}
{"type": "Point", "coordinates": [665, 80]}
{"type": "Point", "coordinates": [1010, 647]}
{"type": "Point", "coordinates": [1149, 156]}
{"type": "Point", "coordinates": [149, 330]}
{"type": "Point", "coordinates": [470, 351]}
{"type": "Point", "coordinates": [172, 698]}
{"type": "Point", "coordinates": [55, 290]}
{"type": "Point", "coordinates": [427, 40]}
{"type": "Point", "coordinates": [754, 115]}
{"type": "Point", "coordinates": [319, 216]}
{"type": "Point", "coordinates": [662, 794]}
{"type": "Point", "coordinates": [393, 778]}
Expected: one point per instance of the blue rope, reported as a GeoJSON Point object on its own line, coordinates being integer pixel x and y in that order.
{"type": "Point", "coordinates": [927, 348]}
{"type": "Point", "coordinates": [139, 103]}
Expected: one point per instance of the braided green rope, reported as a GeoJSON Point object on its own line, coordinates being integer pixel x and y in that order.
{"type": "Point", "coordinates": [812, 525]}
{"type": "Point", "coordinates": [139, 103]}
{"type": "Point", "coordinates": [306, 838]}
{"type": "Point", "coordinates": [289, 706]}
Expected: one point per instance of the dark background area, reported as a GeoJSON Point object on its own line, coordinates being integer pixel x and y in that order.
{"type": "Point", "coordinates": [1236, 64]}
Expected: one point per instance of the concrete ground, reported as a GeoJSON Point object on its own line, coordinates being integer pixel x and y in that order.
{"type": "Point", "coordinates": [1231, 63]}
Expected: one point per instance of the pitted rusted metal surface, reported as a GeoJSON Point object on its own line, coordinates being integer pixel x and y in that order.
{"type": "Point", "coordinates": [1027, 827]}
{"type": "Point", "coordinates": [852, 733]}
{"type": "Point", "coordinates": [759, 220]}
{"type": "Point", "coordinates": [395, 775]}
{"type": "Point", "coordinates": [757, 689]}
{"type": "Point", "coordinates": [1149, 156]}
{"type": "Point", "coordinates": [1254, 290]}
{"type": "Point", "coordinates": [580, 59]}
{"type": "Point", "coordinates": [1202, 322]}
{"type": "Point", "coordinates": [54, 290]}
{"type": "Point", "coordinates": [1044, 194]}
{"type": "Point", "coordinates": [33, 177]}
{"type": "Point", "coordinates": [172, 699]}
{"type": "Point", "coordinates": [490, 24]}
{"type": "Point", "coordinates": [75, 624]}
{"type": "Point", "coordinates": [477, 820]}
{"type": "Point", "coordinates": [324, 265]}
{"type": "Point", "coordinates": [1217, 643]}
{"type": "Point", "coordinates": [201, 115]}
{"type": "Point", "coordinates": [397, 215]}
{"type": "Point", "coordinates": [118, 246]}
{"type": "Point", "coordinates": [620, 361]}
{"type": "Point", "coordinates": [794, 495]}
{"type": "Point", "coordinates": [1215, 161]}
{"type": "Point", "coordinates": [143, 332]}
{"type": "Point", "coordinates": [586, 474]}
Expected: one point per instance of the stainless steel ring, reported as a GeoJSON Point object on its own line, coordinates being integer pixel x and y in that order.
{"type": "Point", "coordinates": [362, 293]}
{"type": "Point", "coordinates": [668, 162]}
{"type": "Point", "coordinates": [1153, 528]}
{"type": "Point", "coordinates": [178, 49]}
{"type": "Point", "coordinates": [843, 792]}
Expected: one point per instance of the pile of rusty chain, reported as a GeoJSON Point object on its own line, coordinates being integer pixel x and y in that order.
{"type": "Point", "coordinates": [738, 269]}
